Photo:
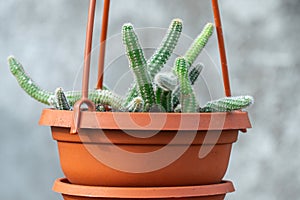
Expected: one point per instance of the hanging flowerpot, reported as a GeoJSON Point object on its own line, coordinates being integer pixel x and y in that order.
{"type": "Point", "coordinates": [147, 149]}
{"type": "Point", "coordinates": [114, 149]}
{"type": "Point", "coordinates": [177, 150]}
{"type": "Point", "coordinates": [80, 192]}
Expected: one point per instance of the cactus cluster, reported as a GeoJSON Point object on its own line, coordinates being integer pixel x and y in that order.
{"type": "Point", "coordinates": [152, 89]}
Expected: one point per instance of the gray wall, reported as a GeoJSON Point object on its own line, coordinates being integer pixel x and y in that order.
{"type": "Point", "coordinates": [262, 41]}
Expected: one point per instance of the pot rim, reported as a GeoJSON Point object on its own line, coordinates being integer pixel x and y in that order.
{"type": "Point", "coordinates": [237, 120]}
{"type": "Point", "coordinates": [62, 185]}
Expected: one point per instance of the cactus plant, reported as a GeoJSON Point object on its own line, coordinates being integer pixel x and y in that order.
{"type": "Point", "coordinates": [46, 97]}
{"type": "Point", "coordinates": [228, 104]}
{"type": "Point", "coordinates": [187, 96]}
{"type": "Point", "coordinates": [152, 88]}
{"type": "Point", "coordinates": [161, 55]}
{"type": "Point", "coordinates": [198, 44]}
{"type": "Point", "coordinates": [138, 65]}
{"type": "Point", "coordinates": [60, 101]}
{"type": "Point", "coordinates": [27, 84]}
{"type": "Point", "coordinates": [194, 73]}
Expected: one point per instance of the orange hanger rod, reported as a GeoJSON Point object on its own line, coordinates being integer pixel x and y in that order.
{"type": "Point", "coordinates": [103, 37]}
{"type": "Point", "coordinates": [86, 71]}
{"type": "Point", "coordinates": [222, 51]}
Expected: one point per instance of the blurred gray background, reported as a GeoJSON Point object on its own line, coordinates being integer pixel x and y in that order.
{"type": "Point", "coordinates": [262, 41]}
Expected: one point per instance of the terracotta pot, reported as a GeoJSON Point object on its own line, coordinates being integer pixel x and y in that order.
{"type": "Point", "coordinates": [203, 192]}
{"type": "Point", "coordinates": [114, 149]}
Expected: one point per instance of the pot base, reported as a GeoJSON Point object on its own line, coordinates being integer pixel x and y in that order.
{"type": "Point", "coordinates": [81, 192]}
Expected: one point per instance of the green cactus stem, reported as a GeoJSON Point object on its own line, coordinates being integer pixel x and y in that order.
{"type": "Point", "coordinates": [61, 101]}
{"type": "Point", "coordinates": [131, 94]}
{"type": "Point", "coordinates": [187, 96]}
{"type": "Point", "coordinates": [194, 73]}
{"type": "Point", "coordinates": [199, 44]}
{"type": "Point", "coordinates": [138, 65]}
{"type": "Point", "coordinates": [136, 105]}
{"type": "Point", "coordinates": [164, 99]}
{"type": "Point", "coordinates": [98, 97]}
{"type": "Point", "coordinates": [43, 96]}
{"type": "Point", "coordinates": [165, 84]}
{"type": "Point", "coordinates": [106, 97]}
{"type": "Point", "coordinates": [102, 97]}
{"type": "Point", "coordinates": [228, 104]}
{"type": "Point", "coordinates": [26, 83]}
{"type": "Point", "coordinates": [161, 55]}
{"type": "Point", "coordinates": [167, 46]}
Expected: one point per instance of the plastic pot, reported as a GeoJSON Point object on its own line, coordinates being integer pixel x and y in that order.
{"type": "Point", "coordinates": [114, 149]}
{"type": "Point", "coordinates": [203, 192]}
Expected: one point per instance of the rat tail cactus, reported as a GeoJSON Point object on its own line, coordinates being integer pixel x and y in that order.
{"type": "Point", "coordinates": [161, 55]}
{"type": "Point", "coordinates": [60, 100]}
{"type": "Point", "coordinates": [199, 44]}
{"type": "Point", "coordinates": [164, 99]}
{"type": "Point", "coordinates": [165, 84]}
{"type": "Point", "coordinates": [55, 99]}
{"type": "Point", "coordinates": [138, 65]}
{"type": "Point", "coordinates": [167, 46]}
{"type": "Point", "coordinates": [187, 96]}
{"type": "Point", "coordinates": [107, 97]}
{"type": "Point", "coordinates": [152, 90]}
{"type": "Point", "coordinates": [228, 104]}
{"type": "Point", "coordinates": [27, 84]}
{"type": "Point", "coordinates": [194, 73]}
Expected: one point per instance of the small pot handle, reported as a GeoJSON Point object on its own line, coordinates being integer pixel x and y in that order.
{"type": "Point", "coordinates": [86, 71]}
